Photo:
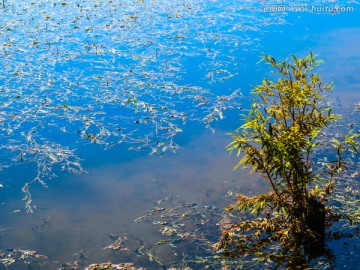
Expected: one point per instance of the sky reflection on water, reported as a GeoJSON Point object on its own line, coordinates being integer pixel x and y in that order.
{"type": "Point", "coordinates": [77, 212]}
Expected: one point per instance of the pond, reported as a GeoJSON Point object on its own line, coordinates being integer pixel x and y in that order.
{"type": "Point", "coordinates": [109, 109]}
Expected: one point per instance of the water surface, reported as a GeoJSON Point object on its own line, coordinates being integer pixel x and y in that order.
{"type": "Point", "coordinates": [89, 80]}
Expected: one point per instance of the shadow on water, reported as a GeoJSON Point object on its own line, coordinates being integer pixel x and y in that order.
{"type": "Point", "coordinates": [152, 211]}
{"type": "Point", "coordinates": [80, 214]}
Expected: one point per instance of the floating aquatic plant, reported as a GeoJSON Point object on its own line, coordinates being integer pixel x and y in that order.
{"type": "Point", "coordinates": [113, 73]}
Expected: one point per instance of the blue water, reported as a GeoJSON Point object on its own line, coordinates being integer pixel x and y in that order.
{"type": "Point", "coordinates": [134, 99]}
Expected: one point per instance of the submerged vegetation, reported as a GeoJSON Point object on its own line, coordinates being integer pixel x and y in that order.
{"type": "Point", "coordinates": [113, 73]}
{"type": "Point", "coordinates": [281, 140]}
{"type": "Point", "coordinates": [110, 73]}
{"type": "Point", "coordinates": [294, 141]}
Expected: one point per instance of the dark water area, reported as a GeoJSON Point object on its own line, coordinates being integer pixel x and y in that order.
{"type": "Point", "coordinates": [77, 213]}
{"type": "Point", "coordinates": [61, 66]}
